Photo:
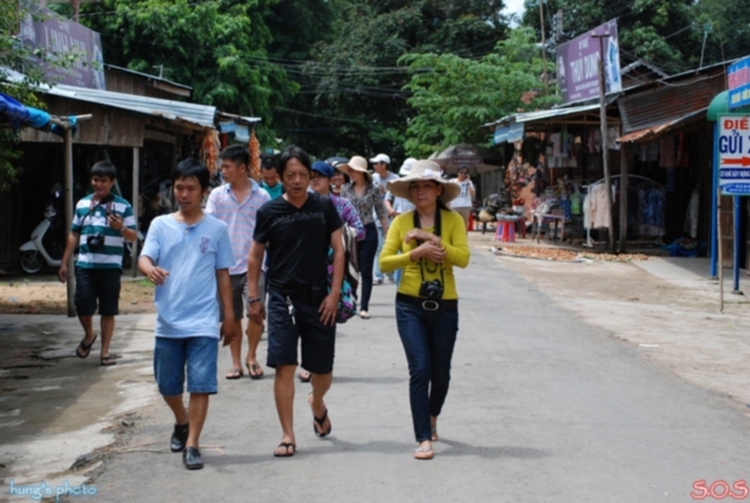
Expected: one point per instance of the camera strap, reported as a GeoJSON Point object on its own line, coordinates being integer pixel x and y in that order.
{"type": "Point", "coordinates": [94, 204]}
{"type": "Point", "coordinates": [417, 225]}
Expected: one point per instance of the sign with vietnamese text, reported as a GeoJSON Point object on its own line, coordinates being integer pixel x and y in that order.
{"type": "Point", "coordinates": [738, 78]}
{"type": "Point", "coordinates": [61, 39]}
{"type": "Point", "coordinates": [578, 64]}
{"type": "Point", "coordinates": [734, 154]}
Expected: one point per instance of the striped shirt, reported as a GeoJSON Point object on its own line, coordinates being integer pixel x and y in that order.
{"type": "Point", "coordinates": [240, 217]}
{"type": "Point", "coordinates": [90, 219]}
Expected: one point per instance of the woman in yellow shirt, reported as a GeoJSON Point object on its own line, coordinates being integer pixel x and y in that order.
{"type": "Point", "coordinates": [426, 242]}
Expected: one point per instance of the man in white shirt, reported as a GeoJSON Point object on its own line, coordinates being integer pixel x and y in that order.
{"type": "Point", "coordinates": [381, 177]}
{"type": "Point", "coordinates": [464, 202]}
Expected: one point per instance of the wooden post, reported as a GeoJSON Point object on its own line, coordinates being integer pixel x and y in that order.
{"type": "Point", "coordinates": [544, 47]}
{"type": "Point", "coordinates": [721, 248]}
{"type": "Point", "coordinates": [623, 196]}
{"type": "Point", "coordinates": [69, 208]}
{"type": "Point", "coordinates": [68, 155]}
{"type": "Point", "coordinates": [136, 210]}
{"type": "Point", "coordinates": [605, 148]}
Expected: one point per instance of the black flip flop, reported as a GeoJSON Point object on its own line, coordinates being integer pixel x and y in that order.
{"type": "Point", "coordinates": [234, 373]}
{"type": "Point", "coordinates": [320, 422]}
{"type": "Point", "coordinates": [85, 347]}
{"type": "Point", "coordinates": [286, 446]}
{"type": "Point", "coordinates": [254, 367]}
{"type": "Point", "coordinates": [107, 361]}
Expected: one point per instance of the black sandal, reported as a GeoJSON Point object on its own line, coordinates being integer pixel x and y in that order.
{"type": "Point", "coordinates": [86, 348]}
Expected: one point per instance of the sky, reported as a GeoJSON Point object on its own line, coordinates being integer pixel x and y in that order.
{"type": "Point", "coordinates": [514, 6]}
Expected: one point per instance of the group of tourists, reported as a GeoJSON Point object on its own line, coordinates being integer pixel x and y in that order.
{"type": "Point", "coordinates": [280, 249]}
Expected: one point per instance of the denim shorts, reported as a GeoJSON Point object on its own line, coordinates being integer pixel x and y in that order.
{"type": "Point", "coordinates": [198, 354]}
{"type": "Point", "coordinates": [318, 340]}
{"type": "Point", "coordinates": [102, 285]}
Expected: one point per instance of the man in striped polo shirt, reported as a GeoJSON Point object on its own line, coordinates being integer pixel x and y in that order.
{"type": "Point", "coordinates": [101, 222]}
{"type": "Point", "coordinates": [236, 203]}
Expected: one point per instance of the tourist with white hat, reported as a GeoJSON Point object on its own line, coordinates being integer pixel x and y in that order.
{"type": "Point", "coordinates": [368, 200]}
{"type": "Point", "coordinates": [381, 165]}
{"type": "Point", "coordinates": [427, 243]}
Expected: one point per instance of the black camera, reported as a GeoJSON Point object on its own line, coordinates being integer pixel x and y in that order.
{"type": "Point", "coordinates": [432, 290]}
{"type": "Point", "coordinates": [95, 242]}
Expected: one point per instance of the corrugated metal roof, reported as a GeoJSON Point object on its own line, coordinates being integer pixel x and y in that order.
{"type": "Point", "coordinates": [202, 115]}
{"type": "Point", "coordinates": [542, 115]}
{"type": "Point", "coordinates": [178, 111]}
{"type": "Point", "coordinates": [656, 107]}
{"type": "Point", "coordinates": [650, 134]}
{"type": "Point", "coordinates": [148, 76]}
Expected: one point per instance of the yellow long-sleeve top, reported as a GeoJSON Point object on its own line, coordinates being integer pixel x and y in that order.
{"type": "Point", "coordinates": [453, 236]}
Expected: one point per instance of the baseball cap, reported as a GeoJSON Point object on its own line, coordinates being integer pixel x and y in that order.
{"type": "Point", "coordinates": [323, 168]}
{"type": "Point", "coordinates": [381, 158]}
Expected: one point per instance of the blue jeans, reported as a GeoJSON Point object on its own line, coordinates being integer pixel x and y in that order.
{"type": "Point", "coordinates": [379, 276]}
{"type": "Point", "coordinates": [428, 338]}
{"type": "Point", "coordinates": [366, 250]}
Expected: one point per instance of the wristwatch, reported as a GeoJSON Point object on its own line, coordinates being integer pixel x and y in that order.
{"type": "Point", "coordinates": [257, 299]}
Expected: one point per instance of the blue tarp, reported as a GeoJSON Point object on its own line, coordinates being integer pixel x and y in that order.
{"type": "Point", "coordinates": [20, 115]}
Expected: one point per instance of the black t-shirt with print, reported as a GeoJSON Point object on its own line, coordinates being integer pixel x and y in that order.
{"type": "Point", "coordinates": [297, 240]}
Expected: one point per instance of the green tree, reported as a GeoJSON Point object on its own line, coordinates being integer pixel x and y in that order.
{"type": "Point", "coordinates": [452, 95]}
{"type": "Point", "coordinates": [296, 27]}
{"type": "Point", "coordinates": [26, 61]}
{"type": "Point", "coordinates": [218, 47]}
{"type": "Point", "coordinates": [358, 85]}
{"type": "Point", "coordinates": [662, 32]}
{"type": "Point", "coordinates": [726, 24]}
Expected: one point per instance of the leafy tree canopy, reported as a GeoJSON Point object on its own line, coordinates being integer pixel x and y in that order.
{"type": "Point", "coordinates": [217, 46]}
{"type": "Point", "coordinates": [659, 31]}
{"type": "Point", "coordinates": [452, 95]}
{"type": "Point", "coordinates": [357, 82]}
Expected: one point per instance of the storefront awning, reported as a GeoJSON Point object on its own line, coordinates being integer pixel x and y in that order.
{"type": "Point", "coordinates": [510, 134]}
{"type": "Point", "coordinates": [720, 106]}
{"type": "Point", "coordinates": [542, 115]}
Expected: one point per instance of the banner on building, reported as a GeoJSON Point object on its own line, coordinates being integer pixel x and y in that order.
{"type": "Point", "coordinates": [578, 64]}
{"type": "Point", "coordinates": [77, 48]}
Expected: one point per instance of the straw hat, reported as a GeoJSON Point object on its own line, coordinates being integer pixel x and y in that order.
{"type": "Point", "coordinates": [424, 170]}
{"type": "Point", "coordinates": [356, 163]}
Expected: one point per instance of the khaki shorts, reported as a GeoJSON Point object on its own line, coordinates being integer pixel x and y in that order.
{"type": "Point", "coordinates": [239, 294]}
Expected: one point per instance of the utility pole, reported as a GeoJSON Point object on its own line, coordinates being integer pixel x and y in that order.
{"type": "Point", "coordinates": [544, 46]}
{"type": "Point", "coordinates": [605, 147]}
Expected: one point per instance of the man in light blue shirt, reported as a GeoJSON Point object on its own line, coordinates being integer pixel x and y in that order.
{"type": "Point", "coordinates": [187, 255]}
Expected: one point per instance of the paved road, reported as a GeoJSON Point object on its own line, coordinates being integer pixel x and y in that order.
{"type": "Point", "coordinates": [542, 408]}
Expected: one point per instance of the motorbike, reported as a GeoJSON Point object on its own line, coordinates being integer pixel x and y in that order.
{"type": "Point", "coordinates": [47, 242]}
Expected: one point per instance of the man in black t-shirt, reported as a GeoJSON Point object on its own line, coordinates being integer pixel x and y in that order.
{"type": "Point", "coordinates": [297, 229]}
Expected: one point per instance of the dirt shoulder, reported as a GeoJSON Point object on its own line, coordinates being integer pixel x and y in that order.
{"type": "Point", "coordinates": [676, 323]}
{"type": "Point", "coordinates": [24, 296]}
